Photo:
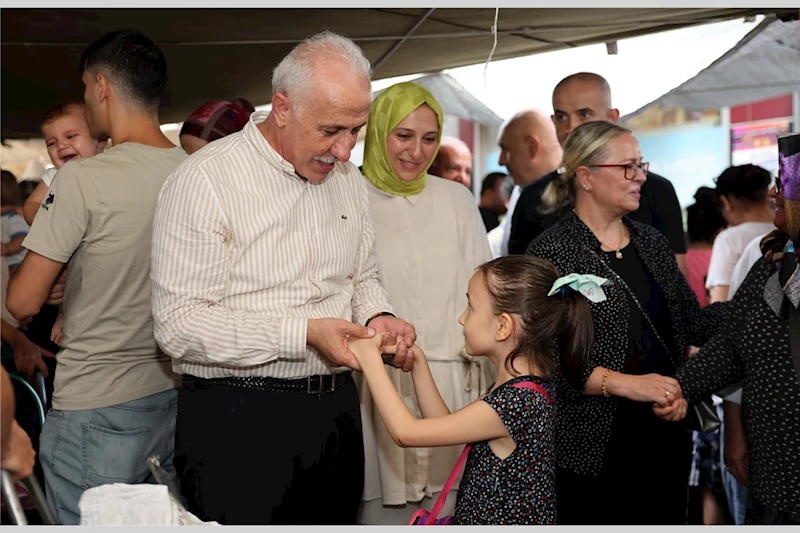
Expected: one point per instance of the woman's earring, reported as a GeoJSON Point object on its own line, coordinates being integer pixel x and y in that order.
{"type": "Point", "coordinates": [587, 188]}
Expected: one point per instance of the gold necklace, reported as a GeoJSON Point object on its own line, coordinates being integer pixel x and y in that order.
{"type": "Point", "coordinates": [617, 252]}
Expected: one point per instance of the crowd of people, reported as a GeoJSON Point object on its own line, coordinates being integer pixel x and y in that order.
{"type": "Point", "coordinates": [288, 332]}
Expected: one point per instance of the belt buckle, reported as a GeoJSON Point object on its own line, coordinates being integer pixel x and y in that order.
{"type": "Point", "coordinates": [319, 389]}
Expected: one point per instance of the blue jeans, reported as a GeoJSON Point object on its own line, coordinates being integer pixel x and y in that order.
{"type": "Point", "coordinates": [735, 492]}
{"type": "Point", "coordinates": [86, 448]}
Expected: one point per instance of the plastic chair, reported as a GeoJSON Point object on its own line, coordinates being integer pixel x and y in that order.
{"type": "Point", "coordinates": [37, 396]}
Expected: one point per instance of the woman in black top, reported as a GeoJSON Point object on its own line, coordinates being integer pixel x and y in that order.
{"type": "Point", "coordinates": [760, 344]}
{"type": "Point", "coordinates": [617, 462]}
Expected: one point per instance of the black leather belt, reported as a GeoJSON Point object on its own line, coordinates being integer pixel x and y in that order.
{"type": "Point", "coordinates": [311, 385]}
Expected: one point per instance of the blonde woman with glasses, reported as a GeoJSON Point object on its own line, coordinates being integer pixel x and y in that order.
{"type": "Point", "coordinates": [618, 463]}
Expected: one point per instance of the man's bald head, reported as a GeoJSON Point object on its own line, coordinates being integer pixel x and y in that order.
{"type": "Point", "coordinates": [529, 146]}
{"type": "Point", "coordinates": [453, 162]}
{"type": "Point", "coordinates": [580, 98]}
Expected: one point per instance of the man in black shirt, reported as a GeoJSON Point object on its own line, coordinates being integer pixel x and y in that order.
{"type": "Point", "coordinates": [492, 203]}
{"type": "Point", "coordinates": [580, 98]}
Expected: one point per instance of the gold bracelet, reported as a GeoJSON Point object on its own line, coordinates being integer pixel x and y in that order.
{"type": "Point", "coordinates": [605, 381]}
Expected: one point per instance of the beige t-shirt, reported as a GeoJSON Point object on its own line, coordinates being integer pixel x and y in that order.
{"type": "Point", "coordinates": [98, 216]}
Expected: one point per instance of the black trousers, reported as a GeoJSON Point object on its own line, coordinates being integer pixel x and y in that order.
{"type": "Point", "coordinates": [644, 479]}
{"type": "Point", "coordinates": [250, 456]}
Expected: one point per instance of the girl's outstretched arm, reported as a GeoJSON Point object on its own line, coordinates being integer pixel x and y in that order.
{"type": "Point", "coordinates": [429, 399]}
{"type": "Point", "coordinates": [476, 422]}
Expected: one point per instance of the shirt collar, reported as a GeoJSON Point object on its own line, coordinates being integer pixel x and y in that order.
{"type": "Point", "coordinates": [412, 199]}
{"type": "Point", "coordinates": [262, 146]}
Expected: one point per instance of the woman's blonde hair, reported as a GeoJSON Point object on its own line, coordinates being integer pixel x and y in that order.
{"type": "Point", "coordinates": [585, 146]}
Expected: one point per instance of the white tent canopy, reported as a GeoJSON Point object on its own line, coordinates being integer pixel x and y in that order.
{"type": "Point", "coordinates": [764, 64]}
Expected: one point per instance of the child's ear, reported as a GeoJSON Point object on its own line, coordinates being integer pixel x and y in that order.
{"type": "Point", "coordinates": [505, 327]}
{"type": "Point", "coordinates": [101, 146]}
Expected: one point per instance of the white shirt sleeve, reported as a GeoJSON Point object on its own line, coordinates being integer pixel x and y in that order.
{"type": "Point", "coordinates": [750, 256]}
{"type": "Point", "coordinates": [720, 269]}
{"type": "Point", "coordinates": [512, 204]}
{"type": "Point", "coordinates": [48, 176]}
{"type": "Point", "coordinates": [190, 272]}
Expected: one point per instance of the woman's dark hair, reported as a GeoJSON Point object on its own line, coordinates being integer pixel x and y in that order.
{"type": "Point", "coordinates": [557, 331]}
{"type": "Point", "coordinates": [704, 217]}
{"type": "Point", "coordinates": [747, 183]}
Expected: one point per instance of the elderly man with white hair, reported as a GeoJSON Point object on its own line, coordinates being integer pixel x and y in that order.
{"type": "Point", "coordinates": [263, 265]}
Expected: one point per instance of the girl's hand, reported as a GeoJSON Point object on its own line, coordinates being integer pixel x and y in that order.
{"type": "Point", "coordinates": [364, 348]}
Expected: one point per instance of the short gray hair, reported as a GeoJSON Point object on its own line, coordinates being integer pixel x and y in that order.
{"type": "Point", "coordinates": [294, 73]}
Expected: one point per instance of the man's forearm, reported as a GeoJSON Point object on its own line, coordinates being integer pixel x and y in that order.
{"type": "Point", "coordinates": [213, 334]}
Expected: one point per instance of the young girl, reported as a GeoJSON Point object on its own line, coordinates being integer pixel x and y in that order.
{"type": "Point", "coordinates": [528, 322]}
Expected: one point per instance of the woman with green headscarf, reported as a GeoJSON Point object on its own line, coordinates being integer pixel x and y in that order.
{"type": "Point", "coordinates": [429, 238]}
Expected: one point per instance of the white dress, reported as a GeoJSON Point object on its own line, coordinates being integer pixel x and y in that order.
{"type": "Point", "coordinates": [428, 246]}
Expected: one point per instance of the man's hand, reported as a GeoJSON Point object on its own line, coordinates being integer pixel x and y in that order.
{"type": "Point", "coordinates": [18, 456]}
{"type": "Point", "coordinates": [400, 333]}
{"type": "Point", "coordinates": [56, 296]}
{"type": "Point", "coordinates": [329, 337]}
{"type": "Point", "coordinates": [28, 356]}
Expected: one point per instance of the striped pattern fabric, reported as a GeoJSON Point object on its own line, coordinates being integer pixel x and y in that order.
{"type": "Point", "coordinates": [245, 252]}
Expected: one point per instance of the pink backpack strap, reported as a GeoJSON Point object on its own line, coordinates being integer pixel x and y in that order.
{"type": "Point", "coordinates": [462, 459]}
{"type": "Point", "coordinates": [442, 499]}
{"type": "Point", "coordinates": [535, 386]}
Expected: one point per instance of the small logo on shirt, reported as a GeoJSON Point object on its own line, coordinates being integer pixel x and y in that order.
{"type": "Point", "coordinates": [48, 201]}
{"type": "Point", "coordinates": [344, 217]}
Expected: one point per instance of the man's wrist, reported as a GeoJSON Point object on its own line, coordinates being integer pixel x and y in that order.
{"type": "Point", "coordinates": [373, 317]}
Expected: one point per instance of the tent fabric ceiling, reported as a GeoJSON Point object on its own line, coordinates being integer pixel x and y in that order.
{"type": "Point", "coordinates": [224, 53]}
{"type": "Point", "coordinates": [456, 100]}
{"type": "Point", "coordinates": [764, 64]}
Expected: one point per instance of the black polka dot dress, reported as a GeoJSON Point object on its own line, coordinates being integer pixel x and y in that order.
{"type": "Point", "coordinates": [519, 489]}
{"type": "Point", "coordinates": [754, 345]}
{"type": "Point", "coordinates": [584, 422]}
{"type": "Point", "coordinates": [612, 442]}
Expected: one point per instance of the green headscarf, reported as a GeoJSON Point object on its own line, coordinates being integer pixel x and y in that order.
{"type": "Point", "coordinates": [388, 110]}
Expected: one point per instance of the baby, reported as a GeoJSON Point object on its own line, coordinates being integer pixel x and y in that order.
{"type": "Point", "coordinates": [66, 134]}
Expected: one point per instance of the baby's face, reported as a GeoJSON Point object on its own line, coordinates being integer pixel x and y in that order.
{"type": "Point", "coordinates": [68, 138]}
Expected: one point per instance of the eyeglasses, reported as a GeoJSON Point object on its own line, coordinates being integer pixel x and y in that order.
{"type": "Point", "coordinates": [631, 169]}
